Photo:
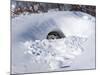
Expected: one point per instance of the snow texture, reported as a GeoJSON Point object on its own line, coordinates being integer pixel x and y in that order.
{"type": "Point", "coordinates": [56, 53]}
{"type": "Point", "coordinates": [32, 52]}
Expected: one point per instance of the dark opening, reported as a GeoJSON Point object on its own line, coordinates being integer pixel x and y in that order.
{"type": "Point", "coordinates": [55, 35]}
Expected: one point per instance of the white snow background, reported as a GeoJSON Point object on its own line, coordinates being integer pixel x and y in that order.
{"type": "Point", "coordinates": [32, 52]}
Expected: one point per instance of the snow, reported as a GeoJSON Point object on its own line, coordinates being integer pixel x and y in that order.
{"type": "Point", "coordinates": [31, 49]}
{"type": "Point", "coordinates": [56, 53]}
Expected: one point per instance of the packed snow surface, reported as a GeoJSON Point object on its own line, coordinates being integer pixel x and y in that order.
{"type": "Point", "coordinates": [32, 52]}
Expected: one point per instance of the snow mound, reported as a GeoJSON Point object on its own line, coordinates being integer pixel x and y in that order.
{"type": "Point", "coordinates": [57, 53]}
